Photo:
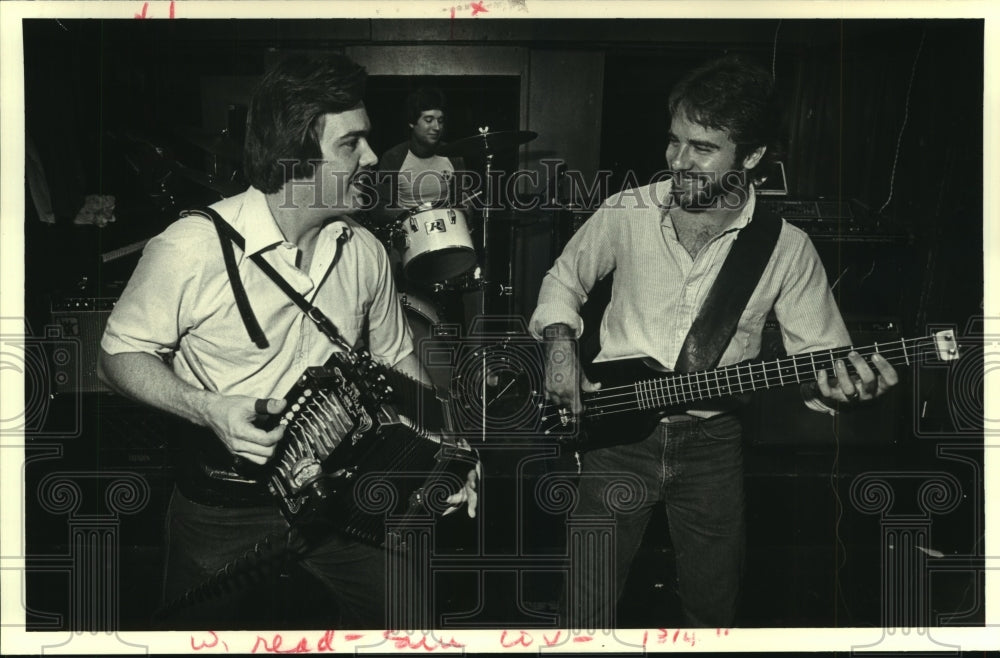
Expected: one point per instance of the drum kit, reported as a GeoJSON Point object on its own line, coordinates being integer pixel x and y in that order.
{"type": "Point", "coordinates": [434, 240]}
{"type": "Point", "coordinates": [441, 267]}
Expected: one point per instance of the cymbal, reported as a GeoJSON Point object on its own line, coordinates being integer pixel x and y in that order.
{"type": "Point", "coordinates": [486, 142]}
{"type": "Point", "coordinates": [219, 144]}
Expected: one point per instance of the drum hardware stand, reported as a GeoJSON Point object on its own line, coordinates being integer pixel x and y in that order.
{"type": "Point", "coordinates": [504, 289]}
{"type": "Point", "coordinates": [481, 143]}
{"type": "Point", "coordinates": [486, 269]}
{"type": "Point", "coordinates": [486, 208]}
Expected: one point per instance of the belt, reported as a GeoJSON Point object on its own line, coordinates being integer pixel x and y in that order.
{"type": "Point", "coordinates": [677, 419]}
{"type": "Point", "coordinates": [214, 488]}
{"type": "Point", "coordinates": [204, 475]}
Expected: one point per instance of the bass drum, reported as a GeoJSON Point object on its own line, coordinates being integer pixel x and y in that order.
{"type": "Point", "coordinates": [434, 243]}
{"type": "Point", "coordinates": [432, 351]}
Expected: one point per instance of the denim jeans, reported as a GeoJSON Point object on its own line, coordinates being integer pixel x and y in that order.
{"type": "Point", "coordinates": [695, 468]}
{"type": "Point", "coordinates": [203, 539]}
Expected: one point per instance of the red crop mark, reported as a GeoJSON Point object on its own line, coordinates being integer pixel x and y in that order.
{"type": "Point", "coordinates": [145, 6]}
{"type": "Point", "coordinates": [477, 8]}
{"type": "Point", "coordinates": [171, 8]}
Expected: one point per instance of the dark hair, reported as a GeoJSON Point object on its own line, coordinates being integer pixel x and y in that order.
{"type": "Point", "coordinates": [282, 121]}
{"type": "Point", "coordinates": [734, 95]}
{"type": "Point", "coordinates": [422, 99]}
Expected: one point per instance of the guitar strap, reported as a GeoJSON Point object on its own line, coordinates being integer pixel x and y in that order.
{"type": "Point", "coordinates": [228, 236]}
{"type": "Point", "coordinates": [715, 324]}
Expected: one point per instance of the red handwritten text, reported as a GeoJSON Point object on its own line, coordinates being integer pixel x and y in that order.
{"type": "Point", "coordinates": [326, 642]}
{"type": "Point", "coordinates": [275, 645]}
{"type": "Point", "coordinates": [524, 639]}
{"type": "Point", "coordinates": [211, 643]}
{"type": "Point", "coordinates": [664, 636]}
{"type": "Point", "coordinates": [402, 641]}
{"type": "Point", "coordinates": [145, 9]}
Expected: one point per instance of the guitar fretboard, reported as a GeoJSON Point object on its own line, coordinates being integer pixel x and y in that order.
{"type": "Point", "coordinates": [682, 388]}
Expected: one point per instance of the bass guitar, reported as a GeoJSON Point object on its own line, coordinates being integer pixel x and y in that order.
{"type": "Point", "coordinates": [635, 396]}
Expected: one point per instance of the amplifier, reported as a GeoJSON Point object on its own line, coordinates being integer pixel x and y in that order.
{"type": "Point", "coordinates": [83, 319]}
{"type": "Point", "coordinates": [778, 417]}
{"type": "Point", "coordinates": [808, 210]}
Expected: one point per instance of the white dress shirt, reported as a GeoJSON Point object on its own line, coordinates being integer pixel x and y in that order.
{"type": "Point", "coordinates": [659, 287]}
{"type": "Point", "coordinates": [179, 301]}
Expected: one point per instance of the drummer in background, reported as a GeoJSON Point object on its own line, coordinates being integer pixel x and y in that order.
{"type": "Point", "coordinates": [412, 173]}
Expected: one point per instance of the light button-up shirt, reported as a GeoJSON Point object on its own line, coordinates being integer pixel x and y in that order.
{"type": "Point", "coordinates": [659, 288]}
{"type": "Point", "coordinates": [179, 301]}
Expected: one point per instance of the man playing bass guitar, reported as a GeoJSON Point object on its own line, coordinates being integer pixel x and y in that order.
{"type": "Point", "coordinates": [666, 244]}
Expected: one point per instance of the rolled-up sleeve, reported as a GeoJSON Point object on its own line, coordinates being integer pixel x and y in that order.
{"type": "Point", "coordinates": [154, 310]}
{"type": "Point", "coordinates": [805, 307]}
{"type": "Point", "coordinates": [807, 312]}
{"type": "Point", "coordinates": [588, 257]}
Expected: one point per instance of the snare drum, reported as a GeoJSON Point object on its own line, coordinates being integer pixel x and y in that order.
{"type": "Point", "coordinates": [434, 243]}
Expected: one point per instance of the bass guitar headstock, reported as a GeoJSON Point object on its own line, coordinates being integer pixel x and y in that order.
{"type": "Point", "coordinates": [946, 346]}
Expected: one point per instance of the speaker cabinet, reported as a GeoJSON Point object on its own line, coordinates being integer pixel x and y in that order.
{"type": "Point", "coordinates": [532, 248]}
{"type": "Point", "coordinates": [778, 417]}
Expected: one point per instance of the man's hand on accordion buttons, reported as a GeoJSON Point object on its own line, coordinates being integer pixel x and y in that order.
{"type": "Point", "coordinates": [467, 494]}
{"type": "Point", "coordinates": [232, 419]}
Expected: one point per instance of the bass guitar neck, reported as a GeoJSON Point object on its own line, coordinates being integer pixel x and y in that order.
{"type": "Point", "coordinates": [634, 397]}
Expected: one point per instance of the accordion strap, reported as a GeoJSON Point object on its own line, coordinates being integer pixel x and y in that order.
{"type": "Point", "coordinates": [229, 235]}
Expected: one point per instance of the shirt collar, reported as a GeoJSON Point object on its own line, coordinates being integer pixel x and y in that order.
{"type": "Point", "coordinates": [261, 232]}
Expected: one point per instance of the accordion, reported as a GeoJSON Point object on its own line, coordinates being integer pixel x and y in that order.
{"type": "Point", "coordinates": [364, 451]}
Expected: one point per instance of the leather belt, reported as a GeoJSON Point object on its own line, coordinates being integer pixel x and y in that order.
{"type": "Point", "coordinates": [203, 475]}
{"type": "Point", "coordinates": [204, 485]}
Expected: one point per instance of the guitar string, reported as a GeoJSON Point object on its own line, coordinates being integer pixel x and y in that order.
{"type": "Point", "coordinates": [601, 401]}
{"type": "Point", "coordinates": [752, 366]}
{"type": "Point", "coordinates": [655, 389]}
{"type": "Point", "coordinates": [751, 371]}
